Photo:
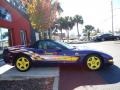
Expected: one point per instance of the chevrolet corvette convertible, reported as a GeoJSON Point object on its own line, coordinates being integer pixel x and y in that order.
{"type": "Point", "coordinates": [54, 52]}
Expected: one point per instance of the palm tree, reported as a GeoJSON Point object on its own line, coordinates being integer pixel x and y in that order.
{"type": "Point", "coordinates": [66, 23]}
{"type": "Point", "coordinates": [59, 8]}
{"type": "Point", "coordinates": [60, 24]}
{"type": "Point", "coordinates": [78, 20]}
{"type": "Point", "coordinates": [66, 26]}
{"type": "Point", "coordinates": [88, 29]}
{"type": "Point", "coordinates": [70, 25]}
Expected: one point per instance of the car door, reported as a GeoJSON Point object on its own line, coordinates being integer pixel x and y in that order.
{"type": "Point", "coordinates": [54, 52]}
{"type": "Point", "coordinates": [48, 48]}
{"type": "Point", "coordinates": [112, 37]}
{"type": "Point", "coordinates": [107, 37]}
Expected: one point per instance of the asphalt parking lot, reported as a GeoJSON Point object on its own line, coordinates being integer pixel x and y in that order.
{"type": "Point", "coordinates": [75, 78]}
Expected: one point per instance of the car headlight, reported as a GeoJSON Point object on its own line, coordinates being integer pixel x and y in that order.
{"type": "Point", "coordinates": [111, 60]}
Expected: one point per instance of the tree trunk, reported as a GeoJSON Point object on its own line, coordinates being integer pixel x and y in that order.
{"type": "Point", "coordinates": [67, 35]}
{"type": "Point", "coordinates": [49, 33]}
{"type": "Point", "coordinates": [61, 35]}
{"type": "Point", "coordinates": [88, 36]}
{"type": "Point", "coordinates": [42, 34]}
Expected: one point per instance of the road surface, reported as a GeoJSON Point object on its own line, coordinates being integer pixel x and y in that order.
{"type": "Point", "coordinates": [75, 78]}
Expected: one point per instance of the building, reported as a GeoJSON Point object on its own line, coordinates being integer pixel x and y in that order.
{"type": "Point", "coordinates": [14, 22]}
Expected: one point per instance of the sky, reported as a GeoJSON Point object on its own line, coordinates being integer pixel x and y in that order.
{"type": "Point", "coordinates": [94, 12]}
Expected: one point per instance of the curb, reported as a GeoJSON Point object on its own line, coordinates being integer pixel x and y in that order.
{"type": "Point", "coordinates": [79, 42]}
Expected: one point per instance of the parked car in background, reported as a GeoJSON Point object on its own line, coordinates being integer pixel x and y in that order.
{"type": "Point", "coordinates": [106, 37]}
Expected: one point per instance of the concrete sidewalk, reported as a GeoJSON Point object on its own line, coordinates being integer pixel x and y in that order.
{"type": "Point", "coordinates": [79, 42]}
{"type": "Point", "coordinates": [39, 72]}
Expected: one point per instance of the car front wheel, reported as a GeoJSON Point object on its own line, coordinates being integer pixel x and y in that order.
{"type": "Point", "coordinates": [93, 62]}
{"type": "Point", "coordinates": [23, 63]}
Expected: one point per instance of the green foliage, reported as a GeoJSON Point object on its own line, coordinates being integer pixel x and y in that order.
{"type": "Point", "coordinates": [42, 13]}
{"type": "Point", "coordinates": [78, 19]}
{"type": "Point", "coordinates": [65, 23]}
{"type": "Point", "coordinates": [88, 29]}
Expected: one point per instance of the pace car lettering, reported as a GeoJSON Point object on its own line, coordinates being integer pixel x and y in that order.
{"type": "Point", "coordinates": [50, 53]}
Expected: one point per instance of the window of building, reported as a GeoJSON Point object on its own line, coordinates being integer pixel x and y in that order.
{"type": "Point", "coordinates": [23, 37]}
{"type": "Point", "coordinates": [17, 4]}
{"type": "Point", "coordinates": [4, 39]}
{"type": "Point", "coordinates": [5, 15]}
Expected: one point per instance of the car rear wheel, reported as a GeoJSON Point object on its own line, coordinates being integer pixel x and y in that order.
{"type": "Point", "coordinates": [23, 63]}
{"type": "Point", "coordinates": [93, 62]}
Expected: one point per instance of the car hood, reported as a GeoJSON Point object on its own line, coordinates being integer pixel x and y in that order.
{"type": "Point", "coordinates": [86, 50]}
{"type": "Point", "coordinates": [83, 48]}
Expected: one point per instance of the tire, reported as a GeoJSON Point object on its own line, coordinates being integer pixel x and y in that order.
{"type": "Point", "coordinates": [23, 63]}
{"type": "Point", "coordinates": [93, 62]}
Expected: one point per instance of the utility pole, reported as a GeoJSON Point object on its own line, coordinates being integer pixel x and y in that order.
{"type": "Point", "coordinates": [112, 17]}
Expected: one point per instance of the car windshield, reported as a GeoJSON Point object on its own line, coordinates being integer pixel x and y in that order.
{"type": "Point", "coordinates": [65, 45]}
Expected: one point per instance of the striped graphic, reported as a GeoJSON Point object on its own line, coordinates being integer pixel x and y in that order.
{"type": "Point", "coordinates": [47, 57]}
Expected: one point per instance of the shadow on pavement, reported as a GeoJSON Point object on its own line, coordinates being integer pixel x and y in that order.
{"type": "Point", "coordinates": [72, 77]}
{"type": "Point", "coordinates": [111, 75]}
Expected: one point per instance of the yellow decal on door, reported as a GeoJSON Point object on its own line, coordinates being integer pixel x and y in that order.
{"type": "Point", "coordinates": [67, 58]}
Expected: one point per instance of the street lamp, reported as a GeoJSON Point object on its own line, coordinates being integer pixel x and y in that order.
{"type": "Point", "coordinates": [112, 17]}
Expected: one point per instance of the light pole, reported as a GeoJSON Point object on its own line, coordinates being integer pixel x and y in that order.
{"type": "Point", "coordinates": [112, 17]}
